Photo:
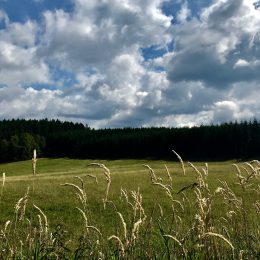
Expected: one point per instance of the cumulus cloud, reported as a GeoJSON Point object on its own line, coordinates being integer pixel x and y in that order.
{"type": "Point", "coordinates": [225, 109]}
{"type": "Point", "coordinates": [97, 31]}
{"type": "Point", "coordinates": [106, 37]}
{"type": "Point", "coordinates": [18, 61]}
{"type": "Point", "coordinates": [210, 49]}
{"type": "Point", "coordinates": [27, 103]}
{"type": "Point", "coordinates": [211, 73]}
{"type": "Point", "coordinates": [221, 50]}
{"type": "Point", "coordinates": [23, 35]}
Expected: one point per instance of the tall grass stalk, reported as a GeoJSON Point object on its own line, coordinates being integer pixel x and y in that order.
{"type": "Point", "coordinates": [108, 178]}
{"type": "Point", "coordinates": [34, 161]}
{"type": "Point", "coordinates": [3, 184]}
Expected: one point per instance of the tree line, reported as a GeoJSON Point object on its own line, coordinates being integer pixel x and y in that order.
{"type": "Point", "coordinates": [54, 138]}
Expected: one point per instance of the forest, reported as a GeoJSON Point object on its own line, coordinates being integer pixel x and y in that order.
{"type": "Point", "coordinates": [54, 138]}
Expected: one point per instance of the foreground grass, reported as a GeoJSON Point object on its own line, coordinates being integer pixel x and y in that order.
{"type": "Point", "coordinates": [143, 216]}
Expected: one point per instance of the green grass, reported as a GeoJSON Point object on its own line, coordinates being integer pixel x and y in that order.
{"type": "Point", "coordinates": [59, 203]}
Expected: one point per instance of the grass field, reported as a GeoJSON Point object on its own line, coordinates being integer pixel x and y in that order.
{"type": "Point", "coordinates": [131, 212]}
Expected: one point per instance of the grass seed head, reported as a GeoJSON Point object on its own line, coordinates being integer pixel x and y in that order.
{"type": "Point", "coordinates": [152, 173]}
{"type": "Point", "coordinates": [124, 225]}
{"type": "Point", "coordinates": [168, 173]}
{"type": "Point", "coordinates": [108, 178]}
{"type": "Point", "coordinates": [135, 229]}
{"type": "Point", "coordinates": [220, 236]}
{"type": "Point", "coordinates": [20, 206]}
{"type": "Point", "coordinates": [178, 242]}
{"type": "Point", "coordinates": [46, 225]}
{"type": "Point", "coordinates": [34, 161]}
{"type": "Point", "coordinates": [3, 179]}
{"type": "Point", "coordinates": [7, 223]}
{"type": "Point", "coordinates": [181, 161]}
{"type": "Point", "coordinates": [3, 184]}
{"type": "Point", "coordinates": [92, 176]}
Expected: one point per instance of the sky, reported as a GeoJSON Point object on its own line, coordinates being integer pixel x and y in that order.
{"type": "Point", "coordinates": [130, 63]}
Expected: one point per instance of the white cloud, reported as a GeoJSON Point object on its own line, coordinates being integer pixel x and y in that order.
{"type": "Point", "coordinates": [184, 13]}
{"type": "Point", "coordinates": [97, 31]}
{"type": "Point", "coordinates": [225, 109]}
{"type": "Point", "coordinates": [100, 42]}
{"type": "Point", "coordinates": [19, 63]}
{"type": "Point", "coordinates": [241, 63]}
{"type": "Point", "coordinates": [20, 66]}
{"type": "Point", "coordinates": [23, 35]}
{"type": "Point", "coordinates": [227, 32]}
{"type": "Point", "coordinates": [212, 74]}
{"type": "Point", "coordinates": [29, 103]}
{"type": "Point", "coordinates": [4, 17]}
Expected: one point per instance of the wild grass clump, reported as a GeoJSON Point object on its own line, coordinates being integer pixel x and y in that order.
{"type": "Point", "coordinates": [196, 220]}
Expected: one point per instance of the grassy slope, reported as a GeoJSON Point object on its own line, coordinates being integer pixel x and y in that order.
{"type": "Point", "coordinates": [59, 202]}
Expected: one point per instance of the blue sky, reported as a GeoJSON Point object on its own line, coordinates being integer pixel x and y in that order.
{"type": "Point", "coordinates": [22, 10]}
{"type": "Point", "coordinates": [120, 63]}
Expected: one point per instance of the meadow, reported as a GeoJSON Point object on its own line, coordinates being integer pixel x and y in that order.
{"type": "Point", "coordinates": [130, 209]}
